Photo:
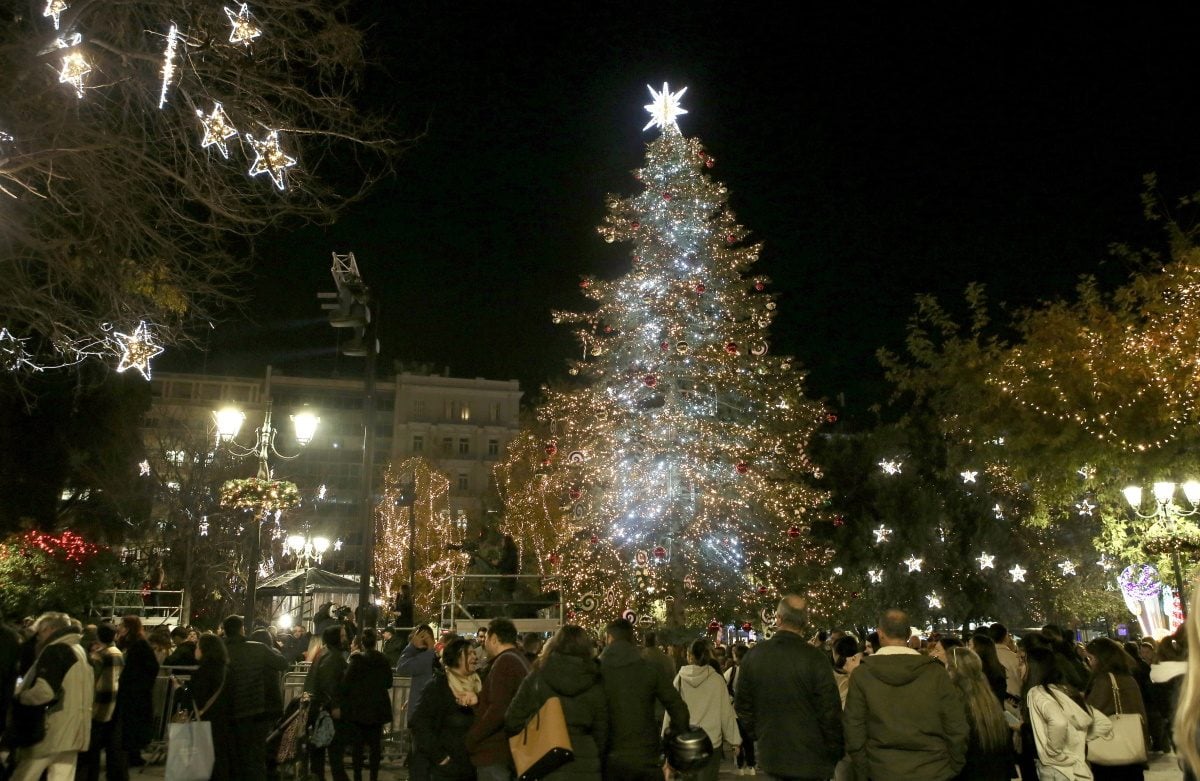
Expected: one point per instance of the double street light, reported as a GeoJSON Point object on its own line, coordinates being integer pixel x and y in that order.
{"type": "Point", "coordinates": [307, 551]}
{"type": "Point", "coordinates": [1167, 513]}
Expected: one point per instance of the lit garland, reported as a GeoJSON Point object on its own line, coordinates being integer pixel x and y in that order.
{"type": "Point", "coordinates": [168, 68]}
{"type": "Point", "coordinates": [67, 545]}
{"type": "Point", "coordinates": [255, 493]}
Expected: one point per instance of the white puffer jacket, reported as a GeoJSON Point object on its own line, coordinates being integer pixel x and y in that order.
{"type": "Point", "coordinates": [69, 694]}
{"type": "Point", "coordinates": [703, 689]}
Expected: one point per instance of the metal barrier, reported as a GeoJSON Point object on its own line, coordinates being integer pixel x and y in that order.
{"type": "Point", "coordinates": [156, 608]}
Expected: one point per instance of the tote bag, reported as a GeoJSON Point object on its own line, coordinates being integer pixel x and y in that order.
{"type": "Point", "coordinates": [1126, 744]}
{"type": "Point", "coordinates": [190, 751]}
{"type": "Point", "coordinates": [544, 745]}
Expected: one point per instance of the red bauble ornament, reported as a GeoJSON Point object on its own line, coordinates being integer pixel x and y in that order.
{"type": "Point", "coordinates": [546, 462]}
{"type": "Point", "coordinates": [608, 329]}
{"type": "Point", "coordinates": [762, 591]}
{"type": "Point", "coordinates": [732, 348]}
{"type": "Point", "coordinates": [585, 283]}
{"type": "Point", "coordinates": [741, 467]}
{"type": "Point", "coordinates": [551, 448]}
{"type": "Point", "coordinates": [575, 493]}
{"type": "Point", "coordinates": [666, 196]}
{"type": "Point", "coordinates": [714, 626]}
{"type": "Point", "coordinates": [635, 225]}
{"type": "Point", "coordinates": [831, 418]}
{"type": "Point", "coordinates": [650, 380]}
{"type": "Point", "coordinates": [700, 288]}
{"type": "Point", "coordinates": [665, 345]}
{"type": "Point", "coordinates": [730, 238]}
{"type": "Point", "coordinates": [595, 539]}
{"type": "Point", "coordinates": [660, 552]}
{"type": "Point", "coordinates": [839, 520]}
{"type": "Point", "coordinates": [710, 162]}
{"type": "Point", "coordinates": [793, 532]}
{"type": "Point", "coordinates": [570, 615]}
{"type": "Point", "coordinates": [747, 626]}
{"type": "Point", "coordinates": [554, 558]}
{"type": "Point", "coordinates": [759, 286]}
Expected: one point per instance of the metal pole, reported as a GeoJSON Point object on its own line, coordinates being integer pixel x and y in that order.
{"type": "Point", "coordinates": [1179, 582]}
{"type": "Point", "coordinates": [264, 473]}
{"type": "Point", "coordinates": [368, 510]}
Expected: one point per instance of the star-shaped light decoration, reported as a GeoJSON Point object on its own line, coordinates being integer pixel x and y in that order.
{"type": "Point", "coordinates": [875, 575]}
{"type": "Point", "coordinates": [665, 108]}
{"type": "Point", "coordinates": [217, 129]}
{"type": "Point", "coordinates": [935, 602]}
{"type": "Point", "coordinates": [1067, 567]}
{"type": "Point", "coordinates": [203, 526]}
{"type": "Point", "coordinates": [1085, 507]}
{"type": "Point", "coordinates": [144, 469]}
{"type": "Point", "coordinates": [913, 563]}
{"type": "Point", "coordinates": [337, 544]}
{"type": "Point", "coordinates": [1104, 563]}
{"type": "Point", "coordinates": [270, 158]}
{"type": "Point", "coordinates": [837, 570]}
{"type": "Point", "coordinates": [882, 533]}
{"type": "Point", "coordinates": [137, 350]}
{"type": "Point", "coordinates": [244, 29]}
{"type": "Point", "coordinates": [986, 561]}
{"type": "Point", "coordinates": [968, 476]}
{"type": "Point", "coordinates": [75, 69]}
{"type": "Point", "coordinates": [890, 467]}
{"type": "Point", "coordinates": [998, 511]}
{"type": "Point", "coordinates": [1087, 472]}
{"type": "Point", "coordinates": [54, 10]}
{"type": "Point", "coordinates": [1018, 574]}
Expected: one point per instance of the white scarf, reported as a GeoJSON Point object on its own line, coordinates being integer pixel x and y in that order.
{"type": "Point", "coordinates": [463, 684]}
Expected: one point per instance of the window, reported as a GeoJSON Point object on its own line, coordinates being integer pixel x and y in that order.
{"type": "Point", "coordinates": [493, 447]}
{"type": "Point", "coordinates": [464, 447]}
{"type": "Point", "coordinates": [418, 407]}
{"type": "Point", "coordinates": [465, 412]}
{"type": "Point", "coordinates": [447, 446]}
{"type": "Point", "coordinates": [176, 457]}
{"type": "Point", "coordinates": [495, 411]}
{"type": "Point", "coordinates": [464, 482]}
{"type": "Point", "coordinates": [418, 443]}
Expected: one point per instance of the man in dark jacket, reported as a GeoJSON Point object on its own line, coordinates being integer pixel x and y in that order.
{"type": "Point", "coordinates": [416, 662]}
{"type": "Point", "coordinates": [487, 742]}
{"type": "Point", "coordinates": [184, 652]}
{"type": "Point", "coordinates": [632, 686]}
{"type": "Point", "coordinates": [887, 736]}
{"type": "Point", "coordinates": [787, 700]}
{"type": "Point", "coordinates": [249, 664]}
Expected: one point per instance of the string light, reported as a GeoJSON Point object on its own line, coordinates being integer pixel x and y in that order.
{"type": "Point", "coordinates": [168, 68]}
{"type": "Point", "coordinates": [270, 158]}
{"type": "Point", "coordinates": [75, 67]}
{"type": "Point", "coordinates": [217, 129]}
{"type": "Point", "coordinates": [137, 350]}
{"type": "Point", "coordinates": [244, 30]}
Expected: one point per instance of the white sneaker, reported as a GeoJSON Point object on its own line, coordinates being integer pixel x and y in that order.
{"type": "Point", "coordinates": [749, 770]}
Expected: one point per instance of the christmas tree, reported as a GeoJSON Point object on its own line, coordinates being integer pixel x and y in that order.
{"type": "Point", "coordinates": [672, 475]}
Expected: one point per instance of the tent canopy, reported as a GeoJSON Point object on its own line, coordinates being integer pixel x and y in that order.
{"type": "Point", "coordinates": [306, 581]}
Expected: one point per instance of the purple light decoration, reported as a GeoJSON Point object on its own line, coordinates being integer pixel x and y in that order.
{"type": "Point", "coordinates": [1140, 582]}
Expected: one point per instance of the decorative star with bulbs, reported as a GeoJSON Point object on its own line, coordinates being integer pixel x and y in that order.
{"type": "Point", "coordinates": [913, 563]}
{"type": "Point", "coordinates": [217, 129]}
{"type": "Point", "coordinates": [890, 467]}
{"type": "Point", "coordinates": [244, 29]}
{"type": "Point", "coordinates": [999, 512]}
{"type": "Point", "coordinates": [75, 69]}
{"type": "Point", "coordinates": [875, 575]}
{"type": "Point", "coordinates": [935, 602]}
{"type": "Point", "coordinates": [968, 476]}
{"type": "Point", "coordinates": [1067, 567]}
{"type": "Point", "coordinates": [1018, 574]}
{"type": "Point", "coordinates": [665, 108]}
{"type": "Point", "coordinates": [986, 561]}
{"type": "Point", "coordinates": [1086, 471]}
{"type": "Point", "coordinates": [137, 349]}
{"type": "Point", "coordinates": [837, 570]}
{"type": "Point", "coordinates": [270, 158]}
{"type": "Point", "coordinates": [1104, 563]}
{"type": "Point", "coordinates": [144, 468]}
{"type": "Point", "coordinates": [1085, 507]}
{"type": "Point", "coordinates": [54, 10]}
{"type": "Point", "coordinates": [882, 533]}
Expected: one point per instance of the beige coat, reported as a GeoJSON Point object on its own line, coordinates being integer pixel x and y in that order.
{"type": "Point", "coordinates": [69, 716]}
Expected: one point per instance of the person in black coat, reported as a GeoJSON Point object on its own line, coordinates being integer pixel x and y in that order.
{"type": "Point", "coordinates": [212, 701]}
{"type": "Point", "coordinates": [135, 693]}
{"type": "Point", "coordinates": [440, 723]}
{"type": "Point", "coordinates": [366, 697]}
{"type": "Point", "coordinates": [323, 686]}
{"type": "Point", "coordinates": [569, 671]}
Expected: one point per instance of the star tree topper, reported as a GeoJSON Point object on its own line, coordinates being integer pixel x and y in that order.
{"type": "Point", "coordinates": [244, 30]}
{"type": "Point", "coordinates": [270, 158]}
{"type": "Point", "coordinates": [137, 350]}
{"type": "Point", "coordinates": [217, 129]}
{"type": "Point", "coordinates": [665, 108]}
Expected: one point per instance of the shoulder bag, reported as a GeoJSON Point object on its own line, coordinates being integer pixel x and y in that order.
{"type": "Point", "coordinates": [544, 745]}
{"type": "Point", "coordinates": [1126, 744]}
{"type": "Point", "coordinates": [190, 755]}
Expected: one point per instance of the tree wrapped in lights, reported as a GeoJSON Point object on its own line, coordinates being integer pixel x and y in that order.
{"type": "Point", "coordinates": [674, 474]}
{"type": "Point", "coordinates": [416, 506]}
{"type": "Point", "coordinates": [142, 142]}
{"type": "Point", "coordinates": [41, 571]}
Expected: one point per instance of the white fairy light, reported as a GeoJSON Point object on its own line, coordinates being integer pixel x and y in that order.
{"type": "Point", "coordinates": [838, 570]}
{"type": "Point", "coordinates": [137, 350]}
{"type": "Point", "coordinates": [890, 467]}
{"type": "Point", "coordinates": [168, 68]}
{"type": "Point", "coordinates": [270, 158]}
{"type": "Point", "coordinates": [665, 108]}
{"type": "Point", "coordinates": [1087, 472]}
{"type": "Point", "coordinates": [1067, 567]}
{"type": "Point", "coordinates": [968, 476]}
{"type": "Point", "coordinates": [217, 129]}
{"type": "Point", "coordinates": [882, 533]}
{"type": "Point", "coordinates": [54, 10]}
{"type": "Point", "coordinates": [1018, 573]}
{"type": "Point", "coordinates": [244, 30]}
{"type": "Point", "coordinates": [913, 563]}
{"type": "Point", "coordinates": [986, 561]}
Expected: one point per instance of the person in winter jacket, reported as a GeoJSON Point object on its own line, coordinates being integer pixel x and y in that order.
{"type": "Point", "coordinates": [60, 679]}
{"type": "Point", "coordinates": [417, 662]}
{"type": "Point", "coordinates": [567, 670]}
{"type": "Point", "coordinates": [1112, 683]}
{"type": "Point", "coordinates": [632, 686]}
{"type": "Point", "coordinates": [212, 701]}
{"type": "Point", "coordinates": [788, 702]}
{"type": "Point", "coordinates": [107, 661]}
{"type": "Point", "coordinates": [366, 697]}
{"type": "Point", "coordinates": [904, 718]}
{"type": "Point", "coordinates": [486, 740]}
{"type": "Point", "coordinates": [709, 707]}
{"type": "Point", "coordinates": [250, 665]}
{"type": "Point", "coordinates": [1060, 719]}
{"type": "Point", "coordinates": [440, 723]}
{"type": "Point", "coordinates": [989, 747]}
{"type": "Point", "coordinates": [135, 698]}
{"type": "Point", "coordinates": [323, 686]}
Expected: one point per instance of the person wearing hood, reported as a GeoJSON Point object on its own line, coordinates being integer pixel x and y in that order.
{"type": "Point", "coordinates": [1061, 719]}
{"type": "Point", "coordinates": [567, 670]}
{"type": "Point", "coordinates": [632, 685]}
{"type": "Point", "coordinates": [887, 737]}
{"type": "Point", "coordinates": [62, 682]}
{"type": "Point", "coordinates": [704, 692]}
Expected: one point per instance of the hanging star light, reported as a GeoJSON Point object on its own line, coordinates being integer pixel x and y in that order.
{"type": "Point", "coordinates": [244, 30]}
{"type": "Point", "coordinates": [837, 570]}
{"type": "Point", "coordinates": [217, 129]}
{"type": "Point", "coordinates": [1104, 563]}
{"type": "Point", "coordinates": [986, 561]}
{"type": "Point", "coordinates": [54, 10]}
{"type": "Point", "coordinates": [75, 66]}
{"type": "Point", "coordinates": [998, 511]}
{"type": "Point", "coordinates": [890, 467]}
{"type": "Point", "coordinates": [1086, 471]}
{"type": "Point", "coordinates": [203, 526]}
{"type": "Point", "coordinates": [875, 575]}
{"type": "Point", "coordinates": [935, 602]}
{"type": "Point", "coordinates": [337, 544]}
{"type": "Point", "coordinates": [665, 108]}
{"type": "Point", "coordinates": [137, 350]}
{"type": "Point", "coordinates": [144, 468]}
{"type": "Point", "coordinates": [882, 533]}
{"type": "Point", "coordinates": [1018, 574]}
{"type": "Point", "coordinates": [168, 68]}
{"type": "Point", "coordinates": [1085, 507]}
{"type": "Point", "coordinates": [1067, 567]}
{"type": "Point", "coordinates": [968, 476]}
{"type": "Point", "coordinates": [270, 158]}
{"type": "Point", "coordinates": [913, 563]}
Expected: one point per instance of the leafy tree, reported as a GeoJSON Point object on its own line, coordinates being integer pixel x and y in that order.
{"type": "Point", "coordinates": [40, 571]}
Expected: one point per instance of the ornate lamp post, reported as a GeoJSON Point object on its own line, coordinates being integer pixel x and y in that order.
{"type": "Point", "coordinates": [260, 494]}
{"type": "Point", "coordinates": [1166, 534]}
{"type": "Point", "coordinates": [307, 550]}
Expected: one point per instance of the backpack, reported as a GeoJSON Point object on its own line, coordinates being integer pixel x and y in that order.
{"type": "Point", "coordinates": [323, 730]}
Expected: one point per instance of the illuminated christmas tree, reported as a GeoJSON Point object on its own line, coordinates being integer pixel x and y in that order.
{"type": "Point", "coordinates": [673, 477]}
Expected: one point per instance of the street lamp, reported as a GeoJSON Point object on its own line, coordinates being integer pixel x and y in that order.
{"type": "Point", "coordinates": [307, 550]}
{"type": "Point", "coordinates": [1167, 513]}
{"type": "Point", "coordinates": [229, 422]}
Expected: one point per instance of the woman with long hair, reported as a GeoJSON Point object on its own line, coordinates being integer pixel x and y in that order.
{"type": "Point", "coordinates": [441, 721]}
{"type": "Point", "coordinates": [985, 648]}
{"type": "Point", "coordinates": [989, 748]}
{"type": "Point", "coordinates": [846, 657]}
{"type": "Point", "coordinates": [1112, 680]}
{"type": "Point", "coordinates": [567, 669]}
{"type": "Point", "coordinates": [366, 696]}
{"type": "Point", "coordinates": [709, 706]}
{"type": "Point", "coordinates": [212, 700]}
{"type": "Point", "coordinates": [1061, 719]}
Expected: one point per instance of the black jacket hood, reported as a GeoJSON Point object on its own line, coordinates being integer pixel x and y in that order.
{"type": "Point", "coordinates": [620, 654]}
{"type": "Point", "coordinates": [569, 675]}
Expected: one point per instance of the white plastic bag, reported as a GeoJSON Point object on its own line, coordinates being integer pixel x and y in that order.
{"type": "Point", "coordinates": [190, 751]}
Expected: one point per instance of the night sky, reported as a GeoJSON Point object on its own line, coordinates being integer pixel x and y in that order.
{"type": "Point", "coordinates": [877, 155]}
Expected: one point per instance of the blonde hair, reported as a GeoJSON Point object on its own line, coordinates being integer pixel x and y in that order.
{"type": "Point", "coordinates": [1187, 715]}
{"type": "Point", "coordinates": [987, 716]}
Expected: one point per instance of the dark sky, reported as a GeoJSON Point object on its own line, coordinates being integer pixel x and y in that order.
{"type": "Point", "coordinates": [878, 154]}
